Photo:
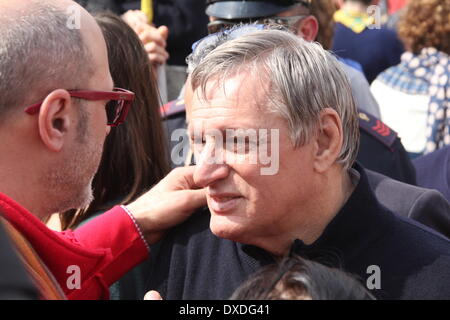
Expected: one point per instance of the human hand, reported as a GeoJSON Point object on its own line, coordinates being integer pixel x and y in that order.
{"type": "Point", "coordinates": [154, 39]}
{"type": "Point", "coordinates": [167, 204]}
{"type": "Point", "coordinates": [136, 19]}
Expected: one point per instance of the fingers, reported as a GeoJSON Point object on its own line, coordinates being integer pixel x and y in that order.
{"type": "Point", "coordinates": [156, 54]}
{"type": "Point", "coordinates": [152, 295]}
{"type": "Point", "coordinates": [164, 31]}
{"type": "Point", "coordinates": [167, 204]}
{"type": "Point", "coordinates": [182, 178]}
{"type": "Point", "coordinates": [151, 34]}
{"type": "Point", "coordinates": [154, 39]}
{"type": "Point", "coordinates": [135, 18]}
{"type": "Point", "coordinates": [195, 199]}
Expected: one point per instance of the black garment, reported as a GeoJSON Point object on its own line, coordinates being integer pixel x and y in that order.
{"type": "Point", "coordinates": [381, 150]}
{"type": "Point", "coordinates": [186, 20]}
{"type": "Point", "coordinates": [433, 171]}
{"type": "Point", "coordinates": [14, 281]}
{"type": "Point", "coordinates": [426, 206]}
{"type": "Point", "coordinates": [192, 263]}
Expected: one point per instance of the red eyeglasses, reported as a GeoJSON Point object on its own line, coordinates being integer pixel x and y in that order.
{"type": "Point", "coordinates": [119, 102]}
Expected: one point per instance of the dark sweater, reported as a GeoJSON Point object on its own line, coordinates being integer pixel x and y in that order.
{"type": "Point", "coordinates": [433, 171]}
{"type": "Point", "coordinates": [192, 263]}
{"type": "Point", "coordinates": [376, 50]}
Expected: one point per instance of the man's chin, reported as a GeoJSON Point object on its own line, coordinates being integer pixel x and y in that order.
{"type": "Point", "coordinates": [226, 228]}
{"type": "Point", "coordinates": [83, 200]}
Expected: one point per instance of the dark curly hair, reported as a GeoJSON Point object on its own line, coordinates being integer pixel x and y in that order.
{"type": "Point", "coordinates": [425, 23]}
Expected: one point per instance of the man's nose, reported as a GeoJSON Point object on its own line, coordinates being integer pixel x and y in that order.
{"type": "Point", "coordinates": [210, 169]}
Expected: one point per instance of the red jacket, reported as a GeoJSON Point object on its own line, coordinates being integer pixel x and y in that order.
{"type": "Point", "coordinates": [104, 249]}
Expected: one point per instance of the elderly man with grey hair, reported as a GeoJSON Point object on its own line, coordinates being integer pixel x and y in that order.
{"type": "Point", "coordinates": [310, 198]}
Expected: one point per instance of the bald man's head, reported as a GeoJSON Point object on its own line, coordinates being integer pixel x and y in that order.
{"type": "Point", "coordinates": [41, 50]}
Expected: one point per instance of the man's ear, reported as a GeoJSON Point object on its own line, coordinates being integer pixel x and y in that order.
{"type": "Point", "coordinates": [308, 28]}
{"type": "Point", "coordinates": [328, 141]}
{"type": "Point", "coordinates": [55, 119]}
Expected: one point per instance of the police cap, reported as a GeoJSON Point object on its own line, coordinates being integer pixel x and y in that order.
{"type": "Point", "coordinates": [248, 9]}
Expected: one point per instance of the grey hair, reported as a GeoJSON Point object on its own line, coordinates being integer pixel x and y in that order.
{"type": "Point", "coordinates": [303, 80]}
{"type": "Point", "coordinates": [38, 53]}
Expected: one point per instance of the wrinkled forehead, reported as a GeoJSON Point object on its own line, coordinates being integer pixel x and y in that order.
{"type": "Point", "coordinates": [237, 102]}
{"type": "Point", "coordinates": [242, 93]}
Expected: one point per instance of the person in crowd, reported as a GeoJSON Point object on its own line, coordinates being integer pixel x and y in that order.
{"type": "Point", "coordinates": [324, 200]}
{"type": "Point", "coordinates": [359, 37]}
{"type": "Point", "coordinates": [380, 150]}
{"type": "Point", "coordinates": [305, 17]}
{"type": "Point", "coordinates": [433, 171]}
{"type": "Point", "coordinates": [58, 105]}
{"type": "Point", "coordinates": [295, 278]}
{"type": "Point", "coordinates": [414, 95]}
{"type": "Point", "coordinates": [153, 38]}
{"type": "Point", "coordinates": [186, 21]}
{"type": "Point", "coordinates": [426, 206]}
{"type": "Point", "coordinates": [130, 165]}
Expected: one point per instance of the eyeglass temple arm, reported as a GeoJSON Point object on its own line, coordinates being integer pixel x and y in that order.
{"type": "Point", "coordinates": [33, 109]}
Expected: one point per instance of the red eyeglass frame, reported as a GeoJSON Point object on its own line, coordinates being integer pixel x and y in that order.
{"type": "Point", "coordinates": [116, 94]}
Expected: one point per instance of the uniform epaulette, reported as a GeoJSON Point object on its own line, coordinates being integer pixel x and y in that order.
{"type": "Point", "coordinates": [172, 107]}
{"type": "Point", "coordinates": [376, 128]}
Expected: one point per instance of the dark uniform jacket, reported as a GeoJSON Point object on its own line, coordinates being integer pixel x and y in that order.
{"type": "Point", "coordinates": [414, 261]}
{"type": "Point", "coordinates": [427, 206]}
{"type": "Point", "coordinates": [433, 171]}
{"type": "Point", "coordinates": [381, 150]}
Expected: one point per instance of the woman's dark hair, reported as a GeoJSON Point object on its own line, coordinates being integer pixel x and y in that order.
{"type": "Point", "coordinates": [135, 153]}
{"type": "Point", "coordinates": [296, 278]}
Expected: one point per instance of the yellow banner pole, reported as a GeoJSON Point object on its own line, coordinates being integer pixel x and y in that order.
{"type": "Point", "coordinates": [147, 8]}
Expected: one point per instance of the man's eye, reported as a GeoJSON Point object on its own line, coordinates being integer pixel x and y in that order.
{"type": "Point", "coordinates": [238, 145]}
